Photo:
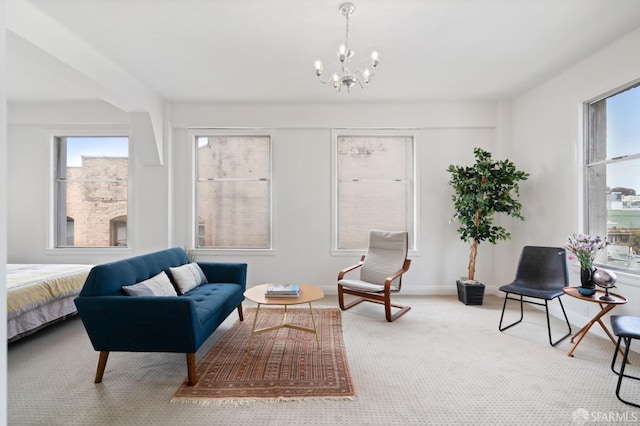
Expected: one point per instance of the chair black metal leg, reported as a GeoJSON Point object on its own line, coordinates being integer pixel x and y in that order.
{"type": "Point", "coordinates": [627, 343]}
{"type": "Point", "coordinates": [546, 307]}
{"type": "Point", "coordinates": [615, 356]}
{"type": "Point", "coordinates": [500, 327]}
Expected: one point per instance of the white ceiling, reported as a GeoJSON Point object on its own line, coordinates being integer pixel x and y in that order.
{"type": "Point", "coordinates": [264, 50]}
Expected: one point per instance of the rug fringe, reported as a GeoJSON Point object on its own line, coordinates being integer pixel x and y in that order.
{"type": "Point", "coordinates": [245, 402]}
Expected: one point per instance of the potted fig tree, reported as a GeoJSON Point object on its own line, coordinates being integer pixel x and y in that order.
{"type": "Point", "coordinates": [480, 191]}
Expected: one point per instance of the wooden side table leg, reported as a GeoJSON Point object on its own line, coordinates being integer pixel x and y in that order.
{"type": "Point", "coordinates": [580, 334]}
{"type": "Point", "coordinates": [606, 330]}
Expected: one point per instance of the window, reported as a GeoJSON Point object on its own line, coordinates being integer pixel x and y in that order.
{"type": "Point", "coordinates": [233, 191]}
{"type": "Point", "coordinates": [613, 181]}
{"type": "Point", "coordinates": [375, 187]}
{"type": "Point", "coordinates": [91, 191]}
{"type": "Point", "coordinates": [118, 231]}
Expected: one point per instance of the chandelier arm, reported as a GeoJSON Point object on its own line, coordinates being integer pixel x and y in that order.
{"type": "Point", "coordinates": [371, 73]}
{"type": "Point", "coordinates": [362, 80]}
{"type": "Point", "coordinates": [324, 82]}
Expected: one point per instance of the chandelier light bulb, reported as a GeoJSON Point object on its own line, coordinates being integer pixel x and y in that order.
{"type": "Point", "coordinates": [345, 77]}
{"type": "Point", "coordinates": [374, 59]}
{"type": "Point", "coordinates": [367, 75]}
{"type": "Point", "coordinates": [335, 80]}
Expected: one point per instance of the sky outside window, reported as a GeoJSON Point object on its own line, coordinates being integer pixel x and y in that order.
{"type": "Point", "coordinates": [623, 136]}
{"type": "Point", "coordinates": [95, 147]}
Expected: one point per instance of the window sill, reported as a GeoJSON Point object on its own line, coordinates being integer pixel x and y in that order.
{"type": "Point", "coordinates": [202, 252]}
{"type": "Point", "coordinates": [91, 251]}
{"type": "Point", "coordinates": [352, 253]}
{"type": "Point", "coordinates": [624, 276]}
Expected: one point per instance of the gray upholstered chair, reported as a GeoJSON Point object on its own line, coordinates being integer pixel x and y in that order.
{"type": "Point", "coordinates": [627, 328]}
{"type": "Point", "coordinates": [381, 272]}
{"type": "Point", "coordinates": [542, 274]}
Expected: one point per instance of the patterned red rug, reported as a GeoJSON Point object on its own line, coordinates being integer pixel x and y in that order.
{"type": "Point", "coordinates": [282, 365]}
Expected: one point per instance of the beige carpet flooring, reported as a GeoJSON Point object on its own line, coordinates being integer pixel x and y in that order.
{"type": "Point", "coordinates": [442, 363]}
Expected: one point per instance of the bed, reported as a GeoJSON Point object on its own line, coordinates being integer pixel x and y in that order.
{"type": "Point", "coordinates": [41, 294]}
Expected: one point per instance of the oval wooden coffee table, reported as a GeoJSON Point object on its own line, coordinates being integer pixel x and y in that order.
{"type": "Point", "coordinates": [308, 294]}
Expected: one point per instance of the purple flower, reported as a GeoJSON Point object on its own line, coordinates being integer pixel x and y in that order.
{"type": "Point", "coordinates": [585, 248]}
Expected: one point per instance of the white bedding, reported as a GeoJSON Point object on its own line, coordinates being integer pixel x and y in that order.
{"type": "Point", "coordinates": [40, 294]}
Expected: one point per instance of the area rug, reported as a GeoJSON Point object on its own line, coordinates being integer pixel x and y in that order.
{"type": "Point", "coordinates": [282, 365]}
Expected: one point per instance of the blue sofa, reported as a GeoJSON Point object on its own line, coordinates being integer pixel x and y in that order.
{"type": "Point", "coordinates": [118, 322]}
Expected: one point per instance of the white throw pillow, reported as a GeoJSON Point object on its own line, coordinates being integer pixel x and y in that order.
{"type": "Point", "coordinates": [187, 277]}
{"type": "Point", "coordinates": [159, 285]}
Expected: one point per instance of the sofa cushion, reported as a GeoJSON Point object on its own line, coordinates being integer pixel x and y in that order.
{"type": "Point", "coordinates": [159, 285]}
{"type": "Point", "coordinates": [187, 277]}
{"type": "Point", "coordinates": [213, 302]}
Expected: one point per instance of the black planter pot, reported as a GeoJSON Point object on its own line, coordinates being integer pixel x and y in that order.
{"type": "Point", "coordinates": [470, 294]}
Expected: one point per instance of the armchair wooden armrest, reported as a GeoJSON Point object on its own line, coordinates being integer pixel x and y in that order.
{"type": "Point", "coordinates": [343, 272]}
{"type": "Point", "coordinates": [398, 274]}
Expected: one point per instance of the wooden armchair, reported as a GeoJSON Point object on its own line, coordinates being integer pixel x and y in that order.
{"type": "Point", "coordinates": [381, 272]}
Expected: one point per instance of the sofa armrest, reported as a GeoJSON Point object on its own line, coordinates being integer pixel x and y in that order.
{"type": "Point", "coordinates": [139, 323]}
{"type": "Point", "coordinates": [221, 272]}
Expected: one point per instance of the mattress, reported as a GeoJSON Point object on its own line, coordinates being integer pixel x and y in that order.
{"type": "Point", "coordinates": [41, 294]}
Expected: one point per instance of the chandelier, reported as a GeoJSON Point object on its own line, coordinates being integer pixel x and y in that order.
{"type": "Point", "coordinates": [345, 77]}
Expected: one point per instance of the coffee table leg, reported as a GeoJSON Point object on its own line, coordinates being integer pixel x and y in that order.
{"type": "Point", "coordinates": [253, 327]}
{"type": "Point", "coordinates": [284, 324]}
{"type": "Point", "coordinates": [313, 321]}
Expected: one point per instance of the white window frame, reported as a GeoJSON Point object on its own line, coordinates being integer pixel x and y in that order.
{"type": "Point", "coordinates": [413, 214]}
{"type": "Point", "coordinates": [89, 131]}
{"type": "Point", "coordinates": [595, 217]}
{"type": "Point", "coordinates": [194, 226]}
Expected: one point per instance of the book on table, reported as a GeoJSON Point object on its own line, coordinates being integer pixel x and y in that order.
{"type": "Point", "coordinates": [283, 290]}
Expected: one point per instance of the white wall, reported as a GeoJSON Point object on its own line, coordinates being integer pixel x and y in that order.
{"type": "Point", "coordinates": [30, 131]}
{"type": "Point", "coordinates": [446, 133]}
{"type": "Point", "coordinates": [302, 184]}
{"type": "Point", "coordinates": [547, 140]}
{"type": "Point", "coordinates": [3, 215]}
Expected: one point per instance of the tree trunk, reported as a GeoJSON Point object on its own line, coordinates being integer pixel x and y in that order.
{"type": "Point", "coordinates": [472, 259]}
{"type": "Point", "coordinates": [474, 249]}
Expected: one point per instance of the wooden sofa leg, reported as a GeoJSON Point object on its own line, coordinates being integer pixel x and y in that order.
{"type": "Point", "coordinates": [191, 368]}
{"type": "Point", "coordinates": [240, 312]}
{"type": "Point", "coordinates": [102, 363]}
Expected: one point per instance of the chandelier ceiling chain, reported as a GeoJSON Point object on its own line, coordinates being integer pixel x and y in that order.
{"type": "Point", "coordinates": [345, 77]}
